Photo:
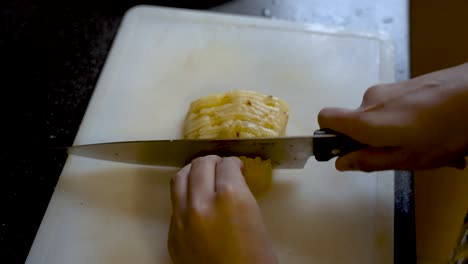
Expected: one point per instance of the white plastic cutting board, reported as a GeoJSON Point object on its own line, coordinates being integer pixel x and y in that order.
{"type": "Point", "coordinates": [104, 212]}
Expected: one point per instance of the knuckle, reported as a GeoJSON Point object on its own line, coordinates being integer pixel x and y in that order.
{"type": "Point", "coordinates": [179, 223]}
{"type": "Point", "coordinates": [197, 160]}
{"type": "Point", "coordinates": [234, 160]}
{"type": "Point", "coordinates": [325, 113]}
{"type": "Point", "coordinates": [177, 177]}
{"type": "Point", "coordinates": [375, 88]}
{"type": "Point", "coordinates": [196, 212]}
{"type": "Point", "coordinates": [209, 158]}
{"type": "Point", "coordinates": [212, 157]}
{"type": "Point", "coordinates": [226, 192]}
{"type": "Point", "coordinates": [372, 92]}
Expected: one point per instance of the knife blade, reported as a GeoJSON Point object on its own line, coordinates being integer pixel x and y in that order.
{"type": "Point", "coordinates": [284, 152]}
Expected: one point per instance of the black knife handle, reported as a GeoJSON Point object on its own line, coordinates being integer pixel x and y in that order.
{"type": "Point", "coordinates": [328, 144]}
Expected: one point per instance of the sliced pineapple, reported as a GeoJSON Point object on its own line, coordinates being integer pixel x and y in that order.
{"type": "Point", "coordinates": [236, 114]}
{"type": "Point", "coordinates": [240, 114]}
{"type": "Point", "coordinates": [258, 174]}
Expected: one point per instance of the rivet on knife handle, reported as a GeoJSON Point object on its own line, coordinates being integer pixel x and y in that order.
{"type": "Point", "coordinates": [328, 144]}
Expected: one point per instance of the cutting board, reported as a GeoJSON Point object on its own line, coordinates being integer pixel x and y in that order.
{"type": "Point", "coordinates": [105, 212]}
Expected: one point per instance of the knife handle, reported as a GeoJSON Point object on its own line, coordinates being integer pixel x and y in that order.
{"type": "Point", "coordinates": [328, 144]}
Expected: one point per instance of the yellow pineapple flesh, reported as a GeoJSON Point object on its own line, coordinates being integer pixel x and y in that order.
{"type": "Point", "coordinates": [258, 174]}
{"type": "Point", "coordinates": [236, 114]}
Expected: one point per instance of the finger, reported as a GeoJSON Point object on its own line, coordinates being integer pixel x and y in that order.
{"type": "Point", "coordinates": [371, 96]}
{"type": "Point", "coordinates": [202, 179]}
{"type": "Point", "coordinates": [172, 242]}
{"type": "Point", "coordinates": [382, 92]}
{"type": "Point", "coordinates": [229, 174]}
{"type": "Point", "coordinates": [371, 128]}
{"type": "Point", "coordinates": [374, 159]}
{"type": "Point", "coordinates": [179, 189]}
{"type": "Point", "coordinates": [336, 119]}
{"type": "Point", "coordinates": [345, 121]}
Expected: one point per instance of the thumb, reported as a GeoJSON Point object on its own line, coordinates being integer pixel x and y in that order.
{"type": "Point", "coordinates": [374, 159]}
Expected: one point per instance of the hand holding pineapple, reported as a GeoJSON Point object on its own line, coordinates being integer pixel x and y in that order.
{"type": "Point", "coordinates": [215, 218]}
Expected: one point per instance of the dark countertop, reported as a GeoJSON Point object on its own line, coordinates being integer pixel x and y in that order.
{"type": "Point", "coordinates": [55, 51]}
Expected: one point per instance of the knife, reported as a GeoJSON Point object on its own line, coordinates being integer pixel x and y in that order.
{"type": "Point", "coordinates": [284, 152]}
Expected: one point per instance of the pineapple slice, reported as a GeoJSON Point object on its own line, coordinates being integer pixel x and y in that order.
{"type": "Point", "coordinates": [240, 114]}
{"type": "Point", "coordinates": [236, 114]}
{"type": "Point", "coordinates": [258, 174]}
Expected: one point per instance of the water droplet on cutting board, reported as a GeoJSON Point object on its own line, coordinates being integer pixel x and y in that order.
{"type": "Point", "coordinates": [387, 20]}
{"type": "Point", "coordinates": [359, 12]}
{"type": "Point", "coordinates": [266, 12]}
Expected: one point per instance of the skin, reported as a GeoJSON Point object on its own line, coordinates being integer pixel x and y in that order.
{"type": "Point", "coordinates": [421, 123]}
{"type": "Point", "coordinates": [216, 219]}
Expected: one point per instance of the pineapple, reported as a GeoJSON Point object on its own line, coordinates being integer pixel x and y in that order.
{"type": "Point", "coordinates": [240, 114]}
{"type": "Point", "coordinates": [258, 174]}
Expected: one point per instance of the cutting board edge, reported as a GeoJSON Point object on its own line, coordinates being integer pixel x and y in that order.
{"type": "Point", "coordinates": [252, 21]}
